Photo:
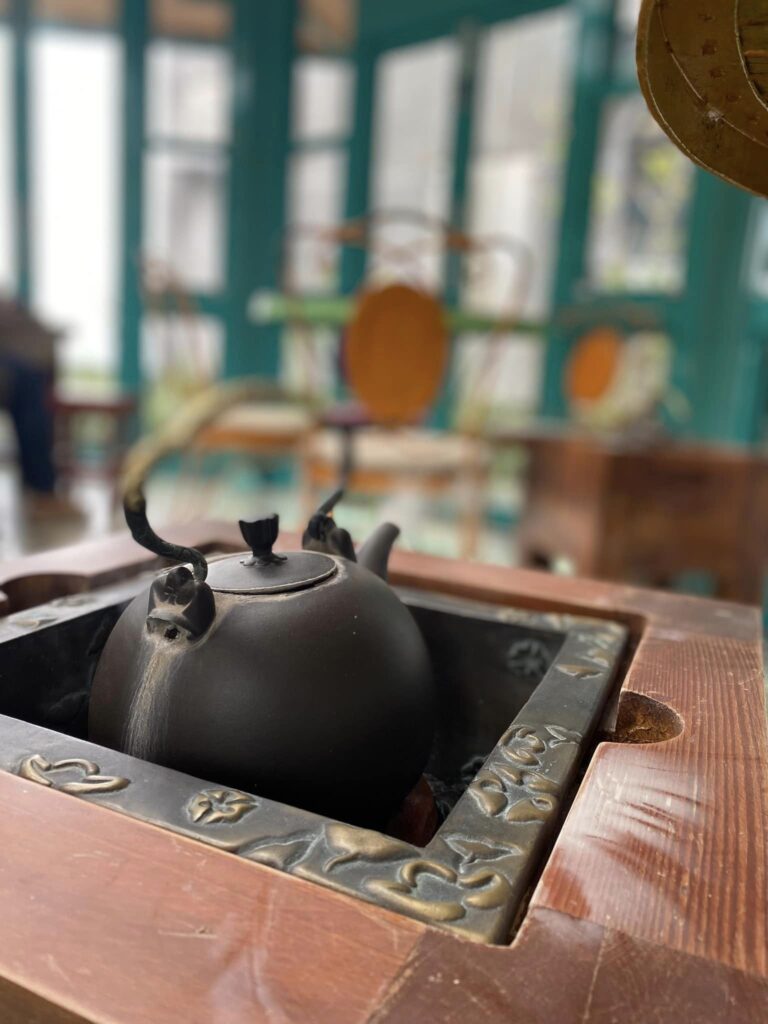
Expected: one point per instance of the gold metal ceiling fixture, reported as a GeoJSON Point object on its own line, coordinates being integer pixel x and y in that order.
{"type": "Point", "coordinates": [703, 68]}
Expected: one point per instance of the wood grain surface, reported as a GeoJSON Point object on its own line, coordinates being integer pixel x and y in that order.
{"type": "Point", "coordinates": [130, 924]}
{"type": "Point", "coordinates": [651, 908]}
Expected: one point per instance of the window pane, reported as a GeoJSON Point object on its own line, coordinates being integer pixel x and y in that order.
{"type": "Point", "coordinates": [322, 98]}
{"type": "Point", "coordinates": [517, 166]}
{"type": "Point", "coordinates": [184, 216]}
{"type": "Point", "coordinates": [188, 92]}
{"type": "Point", "coordinates": [180, 354]}
{"type": "Point", "coordinates": [758, 257]}
{"type": "Point", "coordinates": [624, 63]}
{"type": "Point", "coordinates": [7, 219]}
{"type": "Point", "coordinates": [186, 348]}
{"type": "Point", "coordinates": [309, 361]}
{"type": "Point", "coordinates": [641, 197]}
{"type": "Point", "coordinates": [496, 380]}
{"type": "Point", "coordinates": [317, 186]}
{"type": "Point", "coordinates": [75, 136]}
{"type": "Point", "coordinates": [413, 155]}
{"type": "Point", "coordinates": [627, 14]}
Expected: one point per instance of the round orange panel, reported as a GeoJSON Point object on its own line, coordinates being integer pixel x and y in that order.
{"type": "Point", "coordinates": [593, 364]}
{"type": "Point", "coordinates": [396, 351]}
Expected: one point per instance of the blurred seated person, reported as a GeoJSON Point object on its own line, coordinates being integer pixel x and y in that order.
{"type": "Point", "coordinates": [26, 391]}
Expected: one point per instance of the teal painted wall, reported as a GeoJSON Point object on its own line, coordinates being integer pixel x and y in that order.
{"type": "Point", "coordinates": [134, 27]}
{"type": "Point", "coordinates": [591, 79]}
{"type": "Point", "coordinates": [263, 51]}
{"type": "Point", "coordinates": [21, 140]}
{"type": "Point", "coordinates": [716, 357]}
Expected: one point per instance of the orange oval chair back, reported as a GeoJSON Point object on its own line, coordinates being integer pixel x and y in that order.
{"type": "Point", "coordinates": [396, 352]}
{"type": "Point", "coordinates": [593, 364]}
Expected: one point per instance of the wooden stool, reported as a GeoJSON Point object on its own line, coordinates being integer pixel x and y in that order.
{"type": "Point", "coordinates": [383, 461]}
{"type": "Point", "coordinates": [262, 431]}
{"type": "Point", "coordinates": [116, 411]}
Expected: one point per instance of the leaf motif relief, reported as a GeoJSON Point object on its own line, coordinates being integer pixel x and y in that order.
{"type": "Point", "coordinates": [532, 809]}
{"type": "Point", "coordinates": [604, 641]}
{"type": "Point", "coordinates": [490, 890]}
{"type": "Point", "coordinates": [525, 778]}
{"type": "Point", "coordinates": [580, 671]}
{"type": "Point", "coordinates": [517, 792]}
{"type": "Point", "coordinates": [473, 851]}
{"type": "Point", "coordinates": [523, 743]}
{"type": "Point", "coordinates": [521, 756]}
{"type": "Point", "coordinates": [400, 896]}
{"type": "Point", "coordinates": [488, 791]}
{"type": "Point", "coordinates": [598, 658]}
{"type": "Point", "coordinates": [37, 768]}
{"type": "Point", "coordinates": [402, 891]}
{"type": "Point", "coordinates": [511, 774]}
{"type": "Point", "coordinates": [214, 806]}
{"type": "Point", "coordinates": [483, 889]}
{"type": "Point", "coordinates": [284, 853]}
{"type": "Point", "coordinates": [560, 735]}
{"type": "Point", "coordinates": [356, 844]}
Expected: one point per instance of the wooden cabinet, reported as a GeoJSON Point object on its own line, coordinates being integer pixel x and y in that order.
{"type": "Point", "coordinates": [648, 514]}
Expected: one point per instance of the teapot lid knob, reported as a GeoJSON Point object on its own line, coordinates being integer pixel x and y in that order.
{"type": "Point", "coordinates": [264, 572]}
{"type": "Point", "coordinates": [260, 535]}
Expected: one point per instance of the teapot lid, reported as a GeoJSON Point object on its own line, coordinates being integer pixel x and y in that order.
{"type": "Point", "coordinates": [264, 572]}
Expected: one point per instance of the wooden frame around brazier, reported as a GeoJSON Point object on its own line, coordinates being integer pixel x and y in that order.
{"type": "Point", "coordinates": [651, 906]}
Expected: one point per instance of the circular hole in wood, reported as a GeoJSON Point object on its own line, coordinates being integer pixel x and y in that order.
{"type": "Point", "coordinates": [645, 720]}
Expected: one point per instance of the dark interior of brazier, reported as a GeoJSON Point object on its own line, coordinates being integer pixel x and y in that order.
{"type": "Point", "coordinates": [485, 669]}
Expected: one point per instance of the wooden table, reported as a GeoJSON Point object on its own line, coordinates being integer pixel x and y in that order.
{"type": "Point", "coordinates": [652, 907]}
{"type": "Point", "coordinates": [117, 413]}
{"type": "Point", "coordinates": [646, 514]}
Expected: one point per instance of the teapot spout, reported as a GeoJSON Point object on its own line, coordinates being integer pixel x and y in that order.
{"type": "Point", "coordinates": [374, 554]}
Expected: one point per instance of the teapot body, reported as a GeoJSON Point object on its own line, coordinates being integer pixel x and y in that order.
{"type": "Point", "coordinates": [320, 697]}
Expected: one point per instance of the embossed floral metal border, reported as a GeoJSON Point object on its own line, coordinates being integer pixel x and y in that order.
{"type": "Point", "coordinates": [473, 875]}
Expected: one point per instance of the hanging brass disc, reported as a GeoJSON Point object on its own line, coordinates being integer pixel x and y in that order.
{"type": "Point", "coordinates": [703, 68]}
{"type": "Point", "coordinates": [395, 352]}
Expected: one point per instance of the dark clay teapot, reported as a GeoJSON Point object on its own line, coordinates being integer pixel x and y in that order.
{"type": "Point", "coordinates": [299, 676]}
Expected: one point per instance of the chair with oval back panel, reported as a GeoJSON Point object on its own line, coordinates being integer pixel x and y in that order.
{"type": "Point", "coordinates": [395, 359]}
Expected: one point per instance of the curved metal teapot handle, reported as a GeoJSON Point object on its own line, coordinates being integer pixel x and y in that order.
{"type": "Point", "coordinates": [179, 432]}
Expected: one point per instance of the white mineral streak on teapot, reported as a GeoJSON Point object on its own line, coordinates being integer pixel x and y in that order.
{"type": "Point", "coordinates": [148, 714]}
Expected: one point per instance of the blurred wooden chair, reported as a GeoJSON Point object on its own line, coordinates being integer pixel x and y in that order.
{"type": "Point", "coordinates": [87, 422]}
{"type": "Point", "coordinates": [395, 359]}
{"type": "Point", "coordinates": [265, 431]}
{"type": "Point", "coordinates": [395, 356]}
